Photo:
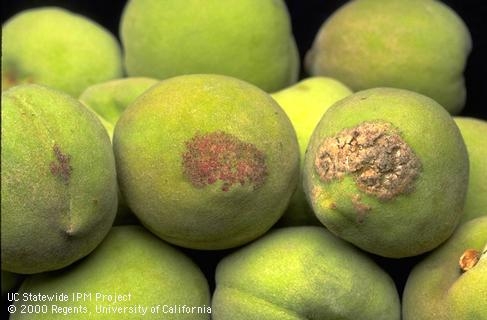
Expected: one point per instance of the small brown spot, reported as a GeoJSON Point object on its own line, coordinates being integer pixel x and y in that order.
{"type": "Point", "coordinates": [374, 154]}
{"type": "Point", "coordinates": [9, 79]}
{"type": "Point", "coordinates": [302, 87]}
{"type": "Point", "coordinates": [219, 156]}
{"type": "Point", "coordinates": [12, 76]}
{"type": "Point", "coordinates": [61, 167]}
{"type": "Point", "coordinates": [361, 208]}
{"type": "Point", "coordinates": [469, 259]}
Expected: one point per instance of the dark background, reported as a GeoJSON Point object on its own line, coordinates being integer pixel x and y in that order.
{"type": "Point", "coordinates": [307, 16]}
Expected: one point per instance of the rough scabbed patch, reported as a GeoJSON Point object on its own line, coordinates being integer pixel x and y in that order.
{"type": "Point", "coordinates": [381, 162]}
{"type": "Point", "coordinates": [219, 156]}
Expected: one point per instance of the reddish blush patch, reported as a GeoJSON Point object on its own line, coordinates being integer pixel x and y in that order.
{"type": "Point", "coordinates": [221, 157]}
{"type": "Point", "coordinates": [61, 166]}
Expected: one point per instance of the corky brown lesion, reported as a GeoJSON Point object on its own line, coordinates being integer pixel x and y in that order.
{"type": "Point", "coordinates": [61, 167]}
{"type": "Point", "coordinates": [219, 156]}
{"type": "Point", "coordinates": [374, 154]}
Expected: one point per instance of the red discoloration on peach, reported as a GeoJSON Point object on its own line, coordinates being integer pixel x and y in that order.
{"type": "Point", "coordinates": [61, 167]}
{"type": "Point", "coordinates": [219, 156]}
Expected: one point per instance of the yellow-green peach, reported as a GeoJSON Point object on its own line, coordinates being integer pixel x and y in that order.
{"type": "Point", "coordinates": [248, 39]}
{"type": "Point", "coordinates": [131, 275]}
{"type": "Point", "coordinates": [474, 133]}
{"type": "Point", "coordinates": [58, 48]}
{"type": "Point", "coordinates": [302, 272]}
{"type": "Point", "coordinates": [305, 103]}
{"type": "Point", "coordinates": [450, 283]}
{"type": "Point", "coordinates": [399, 48]}
{"type": "Point", "coordinates": [109, 99]}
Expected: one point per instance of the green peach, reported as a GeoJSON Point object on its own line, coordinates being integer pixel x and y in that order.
{"type": "Point", "coordinates": [59, 188]}
{"type": "Point", "coordinates": [206, 161]}
{"type": "Point", "coordinates": [400, 48]}
{"type": "Point", "coordinates": [302, 273]}
{"type": "Point", "coordinates": [474, 133]}
{"type": "Point", "coordinates": [109, 99]}
{"type": "Point", "coordinates": [248, 39]}
{"type": "Point", "coordinates": [58, 48]}
{"type": "Point", "coordinates": [437, 288]}
{"type": "Point", "coordinates": [109, 127]}
{"type": "Point", "coordinates": [305, 103]}
{"type": "Point", "coordinates": [384, 164]}
{"type": "Point", "coordinates": [131, 275]}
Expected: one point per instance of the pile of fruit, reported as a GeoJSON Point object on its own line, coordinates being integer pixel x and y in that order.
{"type": "Point", "coordinates": [200, 168]}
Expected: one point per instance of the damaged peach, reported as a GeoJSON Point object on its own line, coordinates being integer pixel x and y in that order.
{"type": "Point", "coordinates": [206, 161]}
{"type": "Point", "coordinates": [393, 163]}
{"type": "Point", "coordinates": [59, 187]}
